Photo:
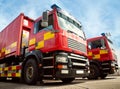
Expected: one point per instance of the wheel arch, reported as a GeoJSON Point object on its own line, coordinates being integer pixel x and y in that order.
{"type": "Point", "coordinates": [36, 55]}
{"type": "Point", "coordinates": [96, 63]}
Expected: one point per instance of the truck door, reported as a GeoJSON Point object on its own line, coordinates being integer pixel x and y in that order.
{"type": "Point", "coordinates": [25, 38]}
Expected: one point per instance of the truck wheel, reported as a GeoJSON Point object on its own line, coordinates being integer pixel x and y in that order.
{"type": "Point", "coordinates": [67, 80]}
{"type": "Point", "coordinates": [30, 72]}
{"type": "Point", "coordinates": [103, 76]}
{"type": "Point", "coordinates": [94, 72]}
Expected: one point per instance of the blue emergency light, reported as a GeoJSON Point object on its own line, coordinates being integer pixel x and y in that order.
{"type": "Point", "coordinates": [103, 34]}
{"type": "Point", "coordinates": [106, 34]}
{"type": "Point", "coordinates": [55, 6]}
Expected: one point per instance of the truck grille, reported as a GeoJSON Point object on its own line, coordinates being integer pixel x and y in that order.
{"type": "Point", "coordinates": [78, 62]}
{"type": "Point", "coordinates": [76, 45]}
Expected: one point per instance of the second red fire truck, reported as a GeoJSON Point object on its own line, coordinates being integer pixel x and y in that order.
{"type": "Point", "coordinates": [102, 57]}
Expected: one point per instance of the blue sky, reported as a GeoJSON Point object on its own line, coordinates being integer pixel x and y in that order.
{"type": "Point", "coordinates": [96, 16]}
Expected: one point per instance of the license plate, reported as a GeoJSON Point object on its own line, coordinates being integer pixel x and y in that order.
{"type": "Point", "coordinates": [79, 72]}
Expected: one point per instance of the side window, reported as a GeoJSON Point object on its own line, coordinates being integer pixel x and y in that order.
{"type": "Point", "coordinates": [38, 27]}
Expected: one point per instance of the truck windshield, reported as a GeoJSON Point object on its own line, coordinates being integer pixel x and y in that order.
{"type": "Point", "coordinates": [70, 25]}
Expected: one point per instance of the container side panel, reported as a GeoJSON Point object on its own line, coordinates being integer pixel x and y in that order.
{"type": "Point", "coordinates": [9, 38]}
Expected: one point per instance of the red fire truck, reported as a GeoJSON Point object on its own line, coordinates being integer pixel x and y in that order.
{"type": "Point", "coordinates": [102, 57]}
{"type": "Point", "coordinates": [50, 47]}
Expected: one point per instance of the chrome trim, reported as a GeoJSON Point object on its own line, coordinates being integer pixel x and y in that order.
{"type": "Point", "coordinates": [48, 57]}
{"type": "Point", "coordinates": [45, 67]}
{"type": "Point", "coordinates": [76, 58]}
{"type": "Point", "coordinates": [77, 55]}
{"type": "Point", "coordinates": [78, 64]}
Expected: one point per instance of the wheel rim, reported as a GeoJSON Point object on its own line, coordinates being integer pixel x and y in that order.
{"type": "Point", "coordinates": [29, 72]}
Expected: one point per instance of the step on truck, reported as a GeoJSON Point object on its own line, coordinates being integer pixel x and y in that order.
{"type": "Point", "coordinates": [50, 47]}
{"type": "Point", "coordinates": [102, 57]}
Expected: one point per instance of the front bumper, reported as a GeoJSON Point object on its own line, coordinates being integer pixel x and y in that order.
{"type": "Point", "coordinates": [114, 67]}
{"type": "Point", "coordinates": [109, 67]}
{"type": "Point", "coordinates": [76, 66]}
{"type": "Point", "coordinates": [71, 73]}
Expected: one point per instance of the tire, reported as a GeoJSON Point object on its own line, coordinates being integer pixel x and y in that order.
{"type": "Point", "coordinates": [31, 72]}
{"type": "Point", "coordinates": [94, 72]}
{"type": "Point", "coordinates": [103, 76]}
{"type": "Point", "coordinates": [67, 80]}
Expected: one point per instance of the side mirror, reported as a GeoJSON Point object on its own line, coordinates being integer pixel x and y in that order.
{"type": "Point", "coordinates": [44, 22]}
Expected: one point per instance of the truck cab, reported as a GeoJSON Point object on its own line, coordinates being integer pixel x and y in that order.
{"type": "Point", "coordinates": [61, 40]}
{"type": "Point", "coordinates": [102, 57]}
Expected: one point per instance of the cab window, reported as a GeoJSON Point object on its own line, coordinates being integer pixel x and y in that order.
{"type": "Point", "coordinates": [38, 27]}
{"type": "Point", "coordinates": [97, 44]}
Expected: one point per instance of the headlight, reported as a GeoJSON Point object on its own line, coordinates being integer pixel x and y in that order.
{"type": "Point", "coordinates": [113, 64]}
{"type": "Point", "coordinates": [87, 62]}
{"type": "Point", "coordinates": [62, 59]}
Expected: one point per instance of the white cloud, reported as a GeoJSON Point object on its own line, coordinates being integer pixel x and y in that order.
{"type": "Point", "coordinates": [32, 8]}
{"type": "Point", "coordinates": [93, 21]}
{"type": "Point", "coordinates": [10, 10]}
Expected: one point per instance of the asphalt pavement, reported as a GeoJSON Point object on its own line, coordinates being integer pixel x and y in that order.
{"type": "Point", "coordinates": [111, 82]}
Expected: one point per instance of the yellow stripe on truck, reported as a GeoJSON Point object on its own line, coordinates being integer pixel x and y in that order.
{"type": "Point", "coordinates": [89, 53]}
{"type": "Point", "coordinates": [12, 71]}
{"type": "Point", "coordinates": [7, 51]}
{"type": "Point", "coordinates": [9, 75]}
{"type": "Point", "coordinates": [6, 68]}
{"type": "Point", "coordinates": [48, 35]}
{"type": "Point", "coordinates": [40, 45]}
{"type": "Point", "coordinates": [0, 69]}
{"type": "Point", "coordinates": [32, 41]}
{"type": "Point", "coordinates": [2, 75]}
{"type": "Point", "coordinates": [3, 50]}
{"type": "Point", "coordinates": [103, 51]}
{"type": "Point", "coordinates": [13, 67]}
{"type": "Point", "coordinates": [13, 45]}
{"type": "Point", "coordinates": [18, 75]}
{"type": "Point", "coordinates": [97, 56]}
